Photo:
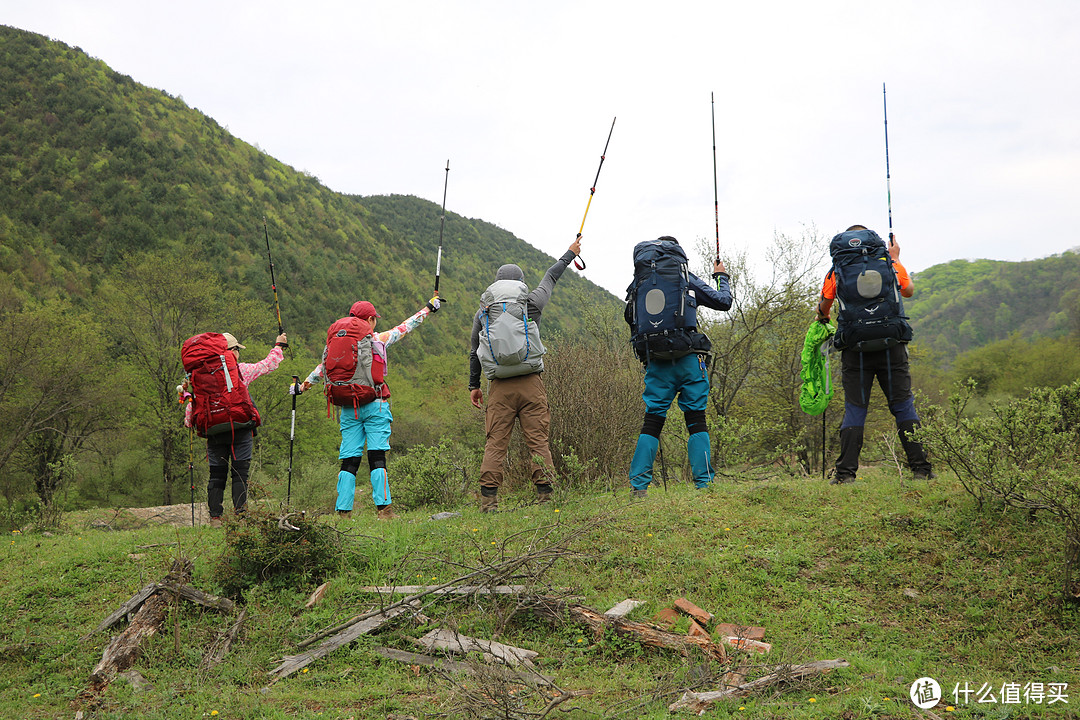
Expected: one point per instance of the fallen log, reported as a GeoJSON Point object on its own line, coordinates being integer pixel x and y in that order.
{"type": "Point", "coordinates": [700, 702]}
{"type": "Point", "coordinates": [198, 596]}
{"type": "Point", "coordinates": [122, 652]}
{"type": "Point", "coordinates": [125, 609]}
{"type": "Point", "coordinates": [444, 590]}
{"type": "Point", "coordinates": [292, 663]}
{"type": "Point", "coordinates": [457, 666]}
{"type": "Point", "coordinates": [442, 639]}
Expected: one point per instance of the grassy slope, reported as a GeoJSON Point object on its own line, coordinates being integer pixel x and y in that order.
{"type": "Point", "coordinates": [824, 569]}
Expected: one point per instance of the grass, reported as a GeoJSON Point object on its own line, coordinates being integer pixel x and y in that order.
{"type": "Point", "coordinates": [902, 579]}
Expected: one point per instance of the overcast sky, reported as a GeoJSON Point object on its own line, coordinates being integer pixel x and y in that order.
{"type": "Point", "coordinates": [983, 109]}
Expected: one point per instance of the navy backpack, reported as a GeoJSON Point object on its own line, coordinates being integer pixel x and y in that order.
{"type": "Point", "coordinates": [871, 315]}
{"type": "Point", "coordinates": [661, 308]}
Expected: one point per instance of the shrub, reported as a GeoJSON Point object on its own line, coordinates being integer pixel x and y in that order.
{"type": "Point", "coordinates": [1025, 453]}
{"type": "Point", "coordinates": [264, 548]}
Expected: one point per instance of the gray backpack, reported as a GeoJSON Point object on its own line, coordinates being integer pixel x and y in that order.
{"type": "Point", "coordinates": [509, 341]}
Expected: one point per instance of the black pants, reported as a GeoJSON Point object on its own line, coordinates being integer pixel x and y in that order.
{"type": "Point", "coordinates": [229, 448]}
{"type": "Point", "coordinates": [891, 370]}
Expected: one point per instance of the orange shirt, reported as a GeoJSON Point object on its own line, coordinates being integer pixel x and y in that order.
{"type": "Point", "coordinates": [828, 288]}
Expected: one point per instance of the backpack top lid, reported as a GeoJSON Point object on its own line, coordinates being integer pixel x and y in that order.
{"type": "Point", "coordinates": [859, 242]}
{"type": "Point", "coordinates": [648, 250]}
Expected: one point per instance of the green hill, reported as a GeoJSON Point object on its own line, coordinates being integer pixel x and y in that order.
{"type": "Point", "coordinates": [965, 304]}
{"type": "Point", "coordinates": [96, 166]}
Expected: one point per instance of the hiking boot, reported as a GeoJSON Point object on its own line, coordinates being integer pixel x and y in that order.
{"type": "Point", "coordinates": [925, 475]}
{"type": "Point", "coordinates": [344, 514]}
{"type": "Point", "coordinates": [636, 493]}
{"type": "Point", "coordinates": [489, 503]}
{"type": "Point", "coordinates": [386, 512]}
{"type": "Point", "coordinates": [842, 480]}
{"type": "Point", "coordinates": [215, 522]}
{"type": "Point", "coordinates": [544, 493]}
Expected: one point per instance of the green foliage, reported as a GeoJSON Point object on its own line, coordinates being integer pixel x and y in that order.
{"type": "Point", "coordinates": [1025, 453]}
{"type": "Point", "coordinates": [129, 221]}
{"type": "Point", "coordinates": [435, 476]}
{"type": "Point", "coordinates": [963, 304]}
{"type": "Point", "coordinates": [273, 552]}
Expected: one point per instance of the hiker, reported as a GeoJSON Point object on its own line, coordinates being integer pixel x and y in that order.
{"type": "Point", "coordinates": [354, 369]}
{"type": "Point", "coordinates": [661, 310]}
{"type": "Point", "coordinates": [872, 334]}
{"type": "Point", "coordinates": [223, 412]}
{"type": "Point", "coordinates": [505, 344]}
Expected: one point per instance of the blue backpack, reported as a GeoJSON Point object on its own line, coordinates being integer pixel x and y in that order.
{"type": "Point", "coordinates": [661, 308]}
{"type": "Point", "coordinates": [871, 315]}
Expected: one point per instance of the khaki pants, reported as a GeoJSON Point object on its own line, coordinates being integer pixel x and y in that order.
{"type": "Point", "coordinates": [523, 398]}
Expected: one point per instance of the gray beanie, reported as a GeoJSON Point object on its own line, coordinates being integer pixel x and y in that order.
{"type": "Point", "coordinates": [510, 272]}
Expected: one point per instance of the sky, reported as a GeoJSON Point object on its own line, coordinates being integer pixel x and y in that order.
{"type": "Point", "coordinates": [375, 98]}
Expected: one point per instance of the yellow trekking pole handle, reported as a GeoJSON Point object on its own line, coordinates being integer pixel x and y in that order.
{"type": "Point", "coordinates": [578, 262]}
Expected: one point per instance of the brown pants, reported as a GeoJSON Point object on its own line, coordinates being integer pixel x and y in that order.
{"type": "Point", "coordinates": [523, 398]}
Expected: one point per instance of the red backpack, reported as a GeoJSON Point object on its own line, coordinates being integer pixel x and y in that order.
{"type": "Point", "coordinates": [355, 364]}
{"type": "Point", "coordinates": [222, 403]}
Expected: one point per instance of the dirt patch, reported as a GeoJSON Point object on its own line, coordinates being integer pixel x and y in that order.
{"type": "Point", "coordinates": [128, 518]}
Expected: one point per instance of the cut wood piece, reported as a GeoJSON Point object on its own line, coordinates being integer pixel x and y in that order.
{"type": "Point", "coordinates": [292, 663]}
{"type": "Point", "coordinates": [443, 639]}
{"type": "Point", "coordinates": [317, 595]}
{"type": "Point", "coordinates": [750, 632]}
{"type": "Point", "coordinates": [749, 645]}
{"type": "Point", "coordinates": [439, 590]}
{"type": "Point", "coordinates": [623, 608]}
{"type": "Point", "coordinates": [688, 608]}
{"type": "Point", "coordinates": [645, 633]}
{"type": "Point", "coordinates": [457, 666]}
{"type": "Point", "coordinates": [701, 702]}
{"type": "Point", "coordinates": [698, 631]}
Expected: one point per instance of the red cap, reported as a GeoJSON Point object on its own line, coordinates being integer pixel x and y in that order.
{"type": "Point", "coordinates": [363, 309]}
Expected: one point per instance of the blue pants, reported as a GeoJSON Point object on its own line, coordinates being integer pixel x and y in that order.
{"type": "Point", "coordinates": [366, 425]}
{"type": "Point", "coordinates": [688, 379]}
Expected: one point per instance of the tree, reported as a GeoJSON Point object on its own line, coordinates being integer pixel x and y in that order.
{"type": "Point", "coordinates": [152, 303]}
{"type": "Point", "coordinates": [56, 388]}
{"type": "Point", "coordinates": [755, 371]}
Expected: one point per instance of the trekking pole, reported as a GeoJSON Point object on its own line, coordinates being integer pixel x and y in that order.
{"type": "Point", "coordinates": [663, 465]}
{"type": "Point", "coordinates": [823, 414]}
{"type": "Point", "coordinates": [578, 262]}
{"type": "Point", "coordinates": [716, 194]}
{"type": "Point", "coordinates": [191, 470]}
{"type": "Point", "coordinates": [888, 183]}
{"type": "Point", "coordinates": [292, 434]}
{"type": "Point", "coordinates": [442, 222]}
{"type": "Point", "coordinates": [273, 283]}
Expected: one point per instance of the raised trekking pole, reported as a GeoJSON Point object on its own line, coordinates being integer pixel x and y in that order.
{"type": "Point", "coordinates": [294, 391]}
{"type": "Point", "coordinates": [716, 194]}
{"type": "Point", "coordinates": [273, 282]}
{"type": "Point", "coordinates": [442, 222]}
{"type": "Point", "coordinates": [578, 262]}
{"type": "Point", "coordinates": [888, 184]}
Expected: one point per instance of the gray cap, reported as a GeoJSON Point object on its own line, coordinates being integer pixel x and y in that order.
{"type": "Point", "coordinates": [510, 272]}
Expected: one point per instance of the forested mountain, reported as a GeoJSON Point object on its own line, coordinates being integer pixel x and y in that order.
{"type": "Point", "coordinates": [965, 304]}
{"type": "Point", "coordinates": [96, 166]}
